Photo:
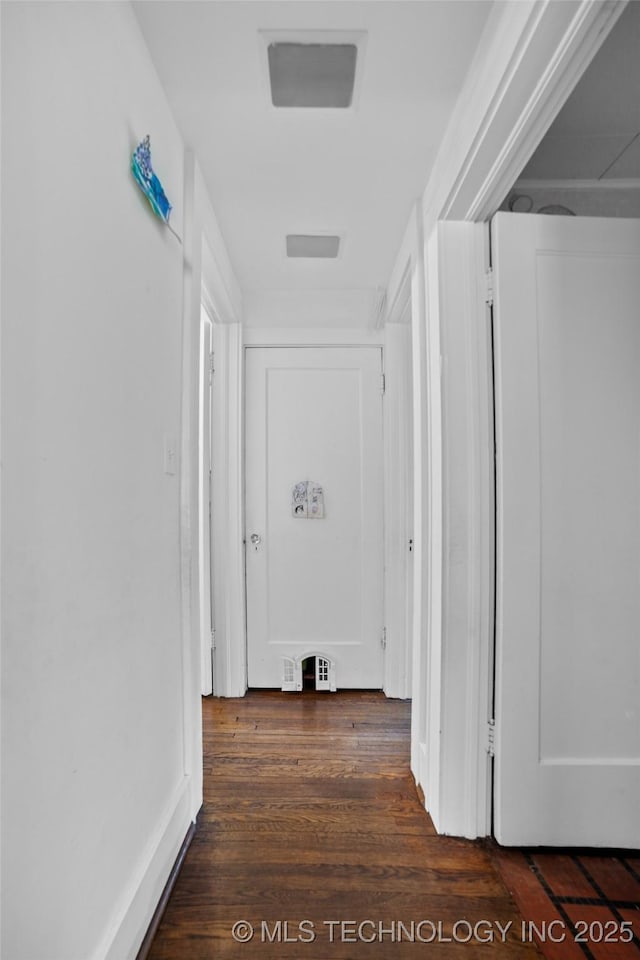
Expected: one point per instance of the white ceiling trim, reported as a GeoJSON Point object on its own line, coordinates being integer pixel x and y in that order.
{"type": "Point", "coordinates": [511, 126]}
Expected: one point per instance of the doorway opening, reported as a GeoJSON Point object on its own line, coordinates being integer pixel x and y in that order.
{"type": "Point", "coordinates": [309, 673]}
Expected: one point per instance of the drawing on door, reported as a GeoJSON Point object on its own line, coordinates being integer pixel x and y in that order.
{"type": "Point", "coordinates": [314, 451]}
{"type": "Point", "coordinates": [307, 501]}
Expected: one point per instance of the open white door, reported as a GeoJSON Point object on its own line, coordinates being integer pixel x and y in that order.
{"type": "Point", "coordinates": [314, 563]}
{"type": "Point", "coordinates": [567, 339]}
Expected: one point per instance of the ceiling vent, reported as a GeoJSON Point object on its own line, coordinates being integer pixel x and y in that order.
{"type": "Point", "coordinates": [312, 74]}
{"type": "Point", "coordinates": [299, 245]}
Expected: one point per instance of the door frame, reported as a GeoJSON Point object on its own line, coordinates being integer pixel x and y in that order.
{"type": "Point", "coordinates": [207, 621]}
{"type": "Point", "coordinates": [326, 339]}
{"type": "Point", "coordinates": [229, 653]}
{"type": "Point", "coordinates": [529, 60]}
{"type": "Point", "coordinates": [398, 645]}
{"type": "Point", "coordinates": [398, 498]}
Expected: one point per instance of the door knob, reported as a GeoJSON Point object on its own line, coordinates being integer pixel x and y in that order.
{"type": "Point", "coordinates": [256, 539]}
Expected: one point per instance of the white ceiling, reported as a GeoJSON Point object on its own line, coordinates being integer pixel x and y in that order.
{"type": "Point", "coordinates": [597, 132]}
{"type": "Point", "coordinates": [272, 171]}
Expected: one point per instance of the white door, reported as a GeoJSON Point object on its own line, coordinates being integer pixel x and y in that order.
{"type": "Point", "coordinates": [567, 338]}
{"type": "Point", "coordinates": [314, 581]}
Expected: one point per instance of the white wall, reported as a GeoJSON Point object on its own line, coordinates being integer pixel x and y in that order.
{"type": "Point", "coordinates": [296, 309]}
{"type": "Point", "coordinates": [95, 782]}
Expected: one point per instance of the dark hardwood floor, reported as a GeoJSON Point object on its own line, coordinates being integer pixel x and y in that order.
{"type": "Point", "coordinates": [312, 832]}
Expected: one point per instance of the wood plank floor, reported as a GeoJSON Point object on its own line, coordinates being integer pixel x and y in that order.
{"type": "Point", "coordinates": [311, 814]}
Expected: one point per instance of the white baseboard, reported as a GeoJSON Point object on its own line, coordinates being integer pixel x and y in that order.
{"type": "Point", "coordinates": [134, 911]}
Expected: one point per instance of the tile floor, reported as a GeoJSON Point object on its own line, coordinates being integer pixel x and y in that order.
{"type": "Point", "coordinates": [576, 904]}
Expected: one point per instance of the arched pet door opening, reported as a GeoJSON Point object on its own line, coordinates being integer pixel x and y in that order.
{"type": "Point", "coordinates": [312, 671]}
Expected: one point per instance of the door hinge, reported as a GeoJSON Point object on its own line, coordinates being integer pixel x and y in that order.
{"type": "Point", "coordinates": [383, 638]}
{"type": "Point", "coordinates": [383, 382]}
{"type": "Point", "coordinates": [491, 738]}
{"type": "Point", "coordinates": [212, 368]}
{"type": "Point", "coordinates": [213, 638]}
{"type": "Point", "coordinates": [488, 287]}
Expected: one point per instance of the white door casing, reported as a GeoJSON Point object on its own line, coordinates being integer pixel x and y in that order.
{"type": "Point", "coordinates": [314, 414]}
{"type": "Point", "coordinates": [204, 456]}
{"type": "Point", "coordinates": [568, 538]}
{"type": "Point", "coordinates": [399, 535]}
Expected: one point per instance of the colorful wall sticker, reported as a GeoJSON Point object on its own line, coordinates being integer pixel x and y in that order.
{"type": "Point", "coordinates": [149, 184]}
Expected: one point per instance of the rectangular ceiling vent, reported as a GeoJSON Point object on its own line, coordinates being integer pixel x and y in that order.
{"type": "Point", "coordinates": [299, 245]}
{"type": "Point", "coordinates": [312, 74]}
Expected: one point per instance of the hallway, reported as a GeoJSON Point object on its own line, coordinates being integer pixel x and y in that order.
{"type": "Point", "coordinates": [330, 222]}
{"type": "Point", "coordinates": [311, 814]}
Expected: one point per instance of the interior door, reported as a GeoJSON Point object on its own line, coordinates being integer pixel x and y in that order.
{"type": "Point", "coordinates": [314, 578]}
{"type": "Point", "coordinates": [567, 339]}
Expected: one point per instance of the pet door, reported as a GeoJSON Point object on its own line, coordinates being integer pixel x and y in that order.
{"type": "Point", "coordinates": [324, 672]}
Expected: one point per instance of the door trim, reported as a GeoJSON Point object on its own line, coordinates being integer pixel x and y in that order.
{"type": "Point", "coordinates": [230, 665]}
{"type": "Point", "coordinates": [535, 53]}
{"type": "Point", "coordinates": [205, 506]}
{"type": "Point", "coordinates": [398, 508]}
